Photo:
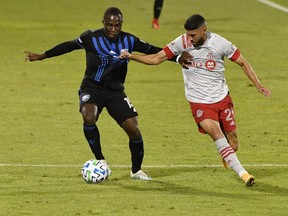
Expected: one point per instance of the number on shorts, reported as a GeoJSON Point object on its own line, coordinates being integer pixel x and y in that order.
{"type": "Point", "coordinates": [130, 104]}
{"type": "Point", "coordinates": [229, 113]}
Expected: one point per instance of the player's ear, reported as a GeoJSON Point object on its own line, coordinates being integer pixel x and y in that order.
{"type": "Point", "coordinates": [205, 30]}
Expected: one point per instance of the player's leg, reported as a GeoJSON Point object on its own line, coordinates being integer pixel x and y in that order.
{"type": "Point", "coordinates": [125, 115]}
{"type": "Point", "coordinates": [158, 4]}
{"type": "Point", "coordinates": [232, 139]}
{"type": "Point", "coordinates": [212, 128]}
{"type": "Point", "coordinates": [227, 121]}
{"type": "Point", "coordinates": [136, 146]}
{"type": "Point", "coordinates": [228, 124]}
{"type": "Point", "coordinates": [89, 113]}
{"type": "Point", "coordinates": [206, 116]}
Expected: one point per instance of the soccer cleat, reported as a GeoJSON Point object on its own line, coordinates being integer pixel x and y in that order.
{"type": "Point", "coordinates": [155, 24]}
{"type": "Point", "coordinates": [248, 179]}
{"type": "Point", "coordinates": [109, 172]}
{"type": "Point", "coordinates": [140, 175]}
{"type": "Point", "coordinates": [225, 164]}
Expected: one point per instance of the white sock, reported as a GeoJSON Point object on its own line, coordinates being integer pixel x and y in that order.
{"type": "Point", "coordinates": [228, 154]}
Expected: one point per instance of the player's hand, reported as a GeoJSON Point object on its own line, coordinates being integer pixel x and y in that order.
{"type": "Point", "coordinates": [266, 92]}
{"type": "Point", "coordinates": [185, 59]}
{"type": "Point", "coordinates": [124, 54]}
{"type": "Point", "coordinates": [33, 56]}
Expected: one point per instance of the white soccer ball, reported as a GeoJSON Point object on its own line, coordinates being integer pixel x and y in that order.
{"type": "Point", "coordinates": [94, 171]}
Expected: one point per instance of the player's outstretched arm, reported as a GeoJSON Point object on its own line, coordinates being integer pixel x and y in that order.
{"type": "Point", "coordinates": [154, 59]}
{"type": "Point", "coordinates": [151, 59]}
{"type": "Point", "coordinates": [34, 56]}
{"type": "Point", "coordinates": [248, 70]}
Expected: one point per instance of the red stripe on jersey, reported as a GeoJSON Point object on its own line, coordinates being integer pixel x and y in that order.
{"type": "Point", "coordinates": [184, 41]}
{"type": "Point", "coordinates": [168, 52]}
{"type": "Point", "coordinates": [235, 55]}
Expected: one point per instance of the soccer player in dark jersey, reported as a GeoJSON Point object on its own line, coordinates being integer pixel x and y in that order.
{"type": "Point", "coordinates": [103, 83]}
{"type": "Point", "coordinates": [157, 8]}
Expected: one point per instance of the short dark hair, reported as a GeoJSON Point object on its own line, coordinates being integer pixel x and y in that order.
{"type": "Point", "coordinates": [113, 11]}
{"type": "Point", "coordinates": [194, 22]}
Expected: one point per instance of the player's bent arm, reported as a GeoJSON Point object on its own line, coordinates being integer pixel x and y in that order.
{"type": "Point", "coordinates": [248, 70]}
{"type": "Point", "coordinates": [152, 59]}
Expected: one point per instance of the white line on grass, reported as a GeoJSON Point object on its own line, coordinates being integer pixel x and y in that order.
{"type": "Point", "coordinates": [145, 166]}
{"type": "Point", "coordinates": [274, 5]}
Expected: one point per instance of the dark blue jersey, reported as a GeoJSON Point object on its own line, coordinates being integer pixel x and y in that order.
{"type": "Point", "coordinates": [103, 67]}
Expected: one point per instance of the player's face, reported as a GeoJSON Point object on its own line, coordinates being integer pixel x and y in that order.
{"type": "Point", "coordinates": [112, 26]}
{"type": "Point", "coordinates": [197, 36]}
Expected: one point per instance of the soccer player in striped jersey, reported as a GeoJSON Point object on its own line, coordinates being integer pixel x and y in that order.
{"type": "Point", "coordinates": [205, 85]}
{"type": "Point", "coordinates": [103, 83]}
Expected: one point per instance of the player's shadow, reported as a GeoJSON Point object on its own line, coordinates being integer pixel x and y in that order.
{"type": "Point", "coordinates": [170, 186]}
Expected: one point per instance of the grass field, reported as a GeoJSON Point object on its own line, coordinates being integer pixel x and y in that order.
{"type": "Point", "coordinates": [41, 140]}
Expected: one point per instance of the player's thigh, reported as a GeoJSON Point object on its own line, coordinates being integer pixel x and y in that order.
{"type": "Point", "coordinates": [121, 108]}
{"type": "Point", "coordinates": [212, 128]}
{"type": "Point", "coordinates": [91, 105]}
{"type": "Point", "coordinates": [203, 112]}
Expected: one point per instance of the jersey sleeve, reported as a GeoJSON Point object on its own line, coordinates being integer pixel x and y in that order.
{"type": "Point", "coordinates": [81, 40]}
{"type": "Point", "coordinates": [144, 47]}
{"type": "Point", "coordinates": [67, 46]}
{"type": "Point", "coordinates": [62, 48]}
{"type": "Point", "coordinates": [176, 47]}
{"type": "Point", "coordinates": [229, 49]}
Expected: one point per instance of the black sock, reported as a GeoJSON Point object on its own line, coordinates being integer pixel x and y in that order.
{"type": "Point", "coordinates": [137, 154]}
{"type": "Point", "coordinates": [92, 135]}
{"type": "Point", "coordinates": [157, 8]}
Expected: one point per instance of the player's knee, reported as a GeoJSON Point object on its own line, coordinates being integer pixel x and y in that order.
{"type": "Point", "coordinates": [88, 118]}
{"type": "Point", "coordinates": [134, 134]}
{"type": "Point", "coordinates": [89, 114]}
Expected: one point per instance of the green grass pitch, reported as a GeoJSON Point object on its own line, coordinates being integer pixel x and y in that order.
{"type": "Point", "coordinates": [42, 147]}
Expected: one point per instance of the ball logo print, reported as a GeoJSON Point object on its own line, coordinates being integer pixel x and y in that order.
{"type": "Point", "coordinates": [94, 171]}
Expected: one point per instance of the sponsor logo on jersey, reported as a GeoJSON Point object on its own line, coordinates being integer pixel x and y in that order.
{"type": "Point", "coordinates": [85, 97]}
{"type": "Point", "coordinates": [210, 64]}
{"type": "Point", "coordinates": [196, 64]}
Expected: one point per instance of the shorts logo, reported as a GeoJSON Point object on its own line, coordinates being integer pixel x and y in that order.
{"type": "Point", "coordinates": [85, 98]}
{"type": "Point", "coordinates": [199, 113]}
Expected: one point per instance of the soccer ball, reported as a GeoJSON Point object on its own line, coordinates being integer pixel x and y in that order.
{"type": "Point", "coordinates": [94, 171]}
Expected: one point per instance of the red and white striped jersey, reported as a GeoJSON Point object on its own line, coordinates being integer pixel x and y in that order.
{"type": "Point", "coordinates": [204, 80]}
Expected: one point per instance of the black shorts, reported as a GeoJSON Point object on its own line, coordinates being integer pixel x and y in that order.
{"type": "Point", "coordinates": [116, 102]}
